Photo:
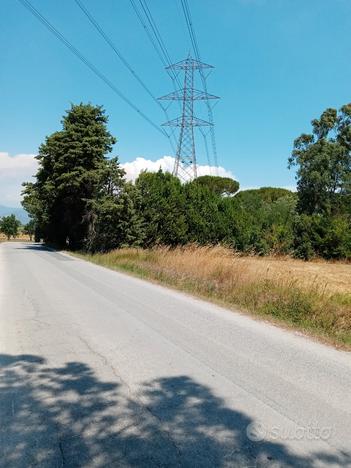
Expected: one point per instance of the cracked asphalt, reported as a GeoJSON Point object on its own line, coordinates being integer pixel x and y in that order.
{"type": "Point", "coordinates": [98, 369]}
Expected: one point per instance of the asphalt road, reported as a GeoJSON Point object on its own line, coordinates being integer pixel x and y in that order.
{"type": "Point", "coordinates": [99, 369]}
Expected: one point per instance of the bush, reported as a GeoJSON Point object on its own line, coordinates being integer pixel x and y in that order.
{"type": "Point", "coordinates": [328, 237]}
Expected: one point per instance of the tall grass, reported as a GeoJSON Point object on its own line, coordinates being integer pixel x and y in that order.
{"type": "Point", "coordinates": [19, 238]}
{"type": "Point", "coordinates": [251, 284]}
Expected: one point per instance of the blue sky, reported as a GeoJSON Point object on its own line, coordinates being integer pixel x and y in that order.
{"type": "Point", "coordinates": [279, 63]}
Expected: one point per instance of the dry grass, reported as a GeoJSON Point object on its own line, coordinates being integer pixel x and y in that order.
{"type": "Point", "coordinates": [333, 277]}
{"type": "Point", "coordinates": [19, 238]}
{"type": "Point", "coordinates": [314, 297]}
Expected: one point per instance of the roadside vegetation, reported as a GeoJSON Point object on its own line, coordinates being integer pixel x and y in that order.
{"type": "Point", "coordinates": [81, 201]}
{"type": "Point", "coordinates": [9, 226]}
{"type": "Point", "coordinates": [313, 297]}
{"type": "Point", "coordinates": [12, 229]}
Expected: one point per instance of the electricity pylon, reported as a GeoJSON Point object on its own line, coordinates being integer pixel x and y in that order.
{"type": "Point", "coordinates": [185, 165]}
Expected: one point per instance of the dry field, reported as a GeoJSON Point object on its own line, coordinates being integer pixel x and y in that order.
{"type": "Point", "coordinates": [224, 265]}
{"type": "Point", "coordinates": [19, 238]}
{"type": "Point", "coordinates": [331, 276]}
{"type": "Point", "coordinates": [314, 297]}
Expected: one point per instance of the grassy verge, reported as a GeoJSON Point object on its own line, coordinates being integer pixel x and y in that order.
{"type": "Point", "coordinates": [244, 282]}
{"type": "Point", "coordinates": [21, 238]}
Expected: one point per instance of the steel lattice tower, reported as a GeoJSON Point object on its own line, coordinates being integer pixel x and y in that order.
{"type": "Point", "coordinates": [185, 165]}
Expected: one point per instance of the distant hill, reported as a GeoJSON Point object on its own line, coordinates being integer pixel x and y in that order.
{"type": "Point", "coordinates": [20, 213]}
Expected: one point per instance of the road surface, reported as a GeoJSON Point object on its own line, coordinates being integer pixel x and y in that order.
{"type": "Point", "coordinates": [99, 369]}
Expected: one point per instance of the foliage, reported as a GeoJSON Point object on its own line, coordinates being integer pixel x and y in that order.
{"type": "Point", "coordinates": [266, 194]}
{"type": "Point", "coordinates": [77, 188]}
{"type": "Point", "coordinates": [113, 220]}
{"type": "Point", "coordinates": [29, 228]}
{"type": "Point", "coordinates": [161, 205]}
{"type": "Point", "coordinates": [323, 159]}
{"type": "Point", "coordinates": [9, 225]}
{"type": "Point", "coordinates": [316, 235]}
{"type": "Point", "coordinates": [80, 197]}
{"type": "Point", "coordinates": [202, 214]}
{"type": "Point", "coordinates": [255, 224]}
{"type": "Point", "coordinates": [218, 185]}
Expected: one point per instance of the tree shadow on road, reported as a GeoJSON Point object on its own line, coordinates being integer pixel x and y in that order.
{"type": "Point", "coordinates": [68, 417]}
{"type": "Point", "coordinates": [27, 245]}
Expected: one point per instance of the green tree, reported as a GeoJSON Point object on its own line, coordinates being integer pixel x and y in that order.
{"type": "Point", "coordinates": [113, 218]}
{"type": "Point", "coordinates": [218, 185]}
{"type": "Point", "coordinates": [29, 229]}
{"type": "Point", "coordinates": [33, 202]}
{"type": "Point", "coordinates": [9, 225]}
{"type": "Point", "coordinates": [317, 235]}
{"type": "Point", "coordinates": [279, 224]}
{"type": "Point", "coordinates": [161, 206]}
{"type": "Point", "coordinates": [203, 214]}
{"type": "Point", "coordinates": [72, 165]}
{"type": "Point", "coordinates": [323, 161]}
{"type": "Point", "coordinates": [259, 220]}
{"type": "Point", "coordinates": [267, 194]}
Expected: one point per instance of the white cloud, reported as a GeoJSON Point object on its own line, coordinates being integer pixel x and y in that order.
{"type": "Point", "coordinates": [13, 171]}
{"type": "Point", "coordinates": [166, 163]}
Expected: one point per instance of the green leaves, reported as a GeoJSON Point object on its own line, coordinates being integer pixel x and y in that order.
{"type": "Point", "coordinates": [218, 185]}
{"type": "Point", "coordinates": [72, 172]}
{"type": "Point", "coordinates": [325, 124]}
{"type": "Point", "coordinates": [323, 163]}
{"type": "Point", "coordinates": [161, 205]}
{"type": "Point", "coordinates": [10, 225]}
{"type": "Point", "coordinates": [80, 198]}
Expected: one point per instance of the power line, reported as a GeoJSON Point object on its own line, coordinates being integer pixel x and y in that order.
{"type": "Point", "coordinates": [117, 52]}
{"type": "Point", "coordinates": [186, 162]}
{"type": "Point", "coordinates": [153, 24]}
{"type": "Point", "coordinates": [194, 43]}
{"type": "Point", "coordinates": [186, 12]}
{"type": "Point", "coordinates": [206, 148]}
{"type": "Point", "coordinates": [92, 67]}
{"type": "Point", "coordinates": [155, 38]}
{"type": "Point", "coordinates": [155, 30]}
{"type": "Point", "coordinates": [158, 44]}
{"type": "Point", "coordinates": [150, 36]}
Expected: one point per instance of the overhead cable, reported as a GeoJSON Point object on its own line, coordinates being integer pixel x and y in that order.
{"type": "Point", "coordinates": [92, 67]}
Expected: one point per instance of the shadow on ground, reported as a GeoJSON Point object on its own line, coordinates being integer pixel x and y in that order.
{"type": "Point", "coordinates": [27, 245]}
{"type": "Point", "coordinates": [40, 248]}
{"type": "Point", "coordinates": [67, 417]}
